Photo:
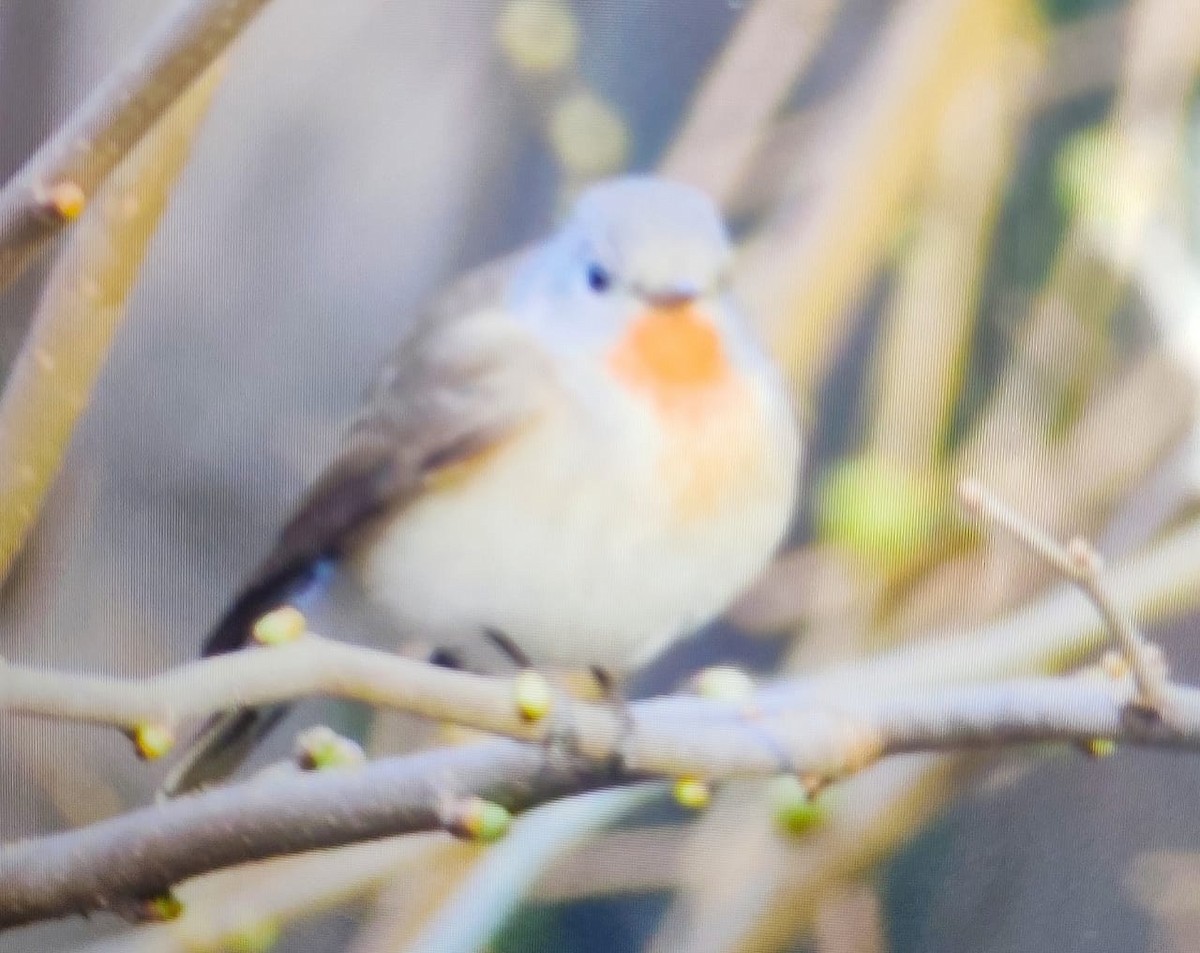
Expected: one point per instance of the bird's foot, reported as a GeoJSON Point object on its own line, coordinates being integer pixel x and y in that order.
{"type": "Point", "coordinates": [537, 700]}
{"type": "Point", "coordinates": [611, 693]}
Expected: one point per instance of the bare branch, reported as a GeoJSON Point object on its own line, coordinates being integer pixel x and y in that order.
{"type": "Point", "coordinates": [835, 732]}
{"type": "Point", "coordinates": [57, 181]}
{"type": "Point", "coordinates": [139, 855]}
{"type": "Point", "coordinates": [1080, 563]}
{"type": "Point", "coordinates": [81, 308]}
{"type": "Point", "coordinates": [308, 666]}
{"type": "Point", "coordinates": [314, 666]}
{"type": "Point", "coordinates": [826, 726]}
{"type": "Point", "coordinates": [113, 864]}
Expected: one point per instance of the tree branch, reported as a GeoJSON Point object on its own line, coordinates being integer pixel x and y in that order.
{"type": "Point", "coordinates": [823, 727]}
{"type": "Point", "coordinates": [56, 182]}
{"type": "Point", "coordinates": [1080, 563]}
{"type": "Point", "coordinates": [665, 741]}
{"type": "Point", "coordinates": [314, 666]}
{"type": "Point", "coordinates": [116, 863]}
{"type": "Point", "coordinates": [80, 310]}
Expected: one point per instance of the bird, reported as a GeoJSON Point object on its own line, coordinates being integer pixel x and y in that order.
{"type": "Point", "coordinates": [580, 451]}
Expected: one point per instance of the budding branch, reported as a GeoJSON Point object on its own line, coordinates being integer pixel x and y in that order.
{"type": "Point", "coordinates": [822, 728]}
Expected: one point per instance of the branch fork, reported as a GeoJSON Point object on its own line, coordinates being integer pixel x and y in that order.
{"type": "Point", "coordinates": [1079, 562]}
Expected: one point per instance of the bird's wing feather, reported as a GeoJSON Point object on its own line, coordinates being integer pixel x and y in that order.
{"type": "Point", "coordinates": [463, 381]}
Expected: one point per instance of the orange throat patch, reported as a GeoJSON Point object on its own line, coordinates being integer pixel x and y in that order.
{"type": "Point", "coordinates": [715, 451]}
{"type": "Point", "coordinates": [672, 353]}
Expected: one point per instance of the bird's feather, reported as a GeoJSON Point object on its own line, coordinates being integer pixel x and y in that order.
{"type": "Point", "coordinates": [461, 383]}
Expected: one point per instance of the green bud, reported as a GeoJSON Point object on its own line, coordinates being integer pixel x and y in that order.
{"type": "Point", "coordinates": [480, 820]}
{"type": "Point", "coordinates": [320, 748]}
{"type": "Point", "coordinates": [795, 811]}
{"type": "Point", "coordinates": [280, 626]}
{"type": "Point", "coordinates": [532, 695]}
{"type": "Point", "coordinates": [692, 793]}
{"type": "Point", "coordinates": [152, 740]}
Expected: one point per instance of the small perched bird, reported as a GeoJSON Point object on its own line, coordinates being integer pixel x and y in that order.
{"type": "Point", "coordinates": [581, 451]}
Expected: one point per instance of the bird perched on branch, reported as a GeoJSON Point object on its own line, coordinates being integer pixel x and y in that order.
{"type": "Point", "coordinates": [581, 450]}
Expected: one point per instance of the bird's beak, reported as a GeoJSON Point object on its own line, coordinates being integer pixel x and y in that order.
{"type": "Point", "coordinates": [673, 297]}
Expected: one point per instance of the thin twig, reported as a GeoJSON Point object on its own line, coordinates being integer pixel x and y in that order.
{"type": "Point", "coordinates": [56, 182]}
{"type": "Point", "coordinates": [771, 886]}
{"type": "Point", "coordinates": [1080, 563]}
{"type": "Point", "coordinates": [81, 308]}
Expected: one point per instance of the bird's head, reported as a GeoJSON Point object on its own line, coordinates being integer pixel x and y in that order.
{"type": "Point", "coordinates": [637, 276]}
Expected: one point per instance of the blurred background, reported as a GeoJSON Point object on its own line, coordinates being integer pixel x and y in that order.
{"type": "Point", "coordinates": [968, 229]}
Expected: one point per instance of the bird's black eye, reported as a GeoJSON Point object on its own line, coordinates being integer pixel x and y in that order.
{"type": "Point", "coordinates": [598, 278]}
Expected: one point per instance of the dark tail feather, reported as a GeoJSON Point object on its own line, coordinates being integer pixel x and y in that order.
{"type": "Point", "coordinates": [222, 745]}
{"type": "Point", "coordinates": [227, 738]}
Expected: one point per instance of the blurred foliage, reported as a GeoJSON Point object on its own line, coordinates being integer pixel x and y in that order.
{"type": "Point", "coordinates": [1066, 10]}
{"type": "Point", "coordinates": [879, 509]}
{"type": "Point", "coordinates": [538, 35]}
{"type": "Point", "coordinates": [1033, 221]}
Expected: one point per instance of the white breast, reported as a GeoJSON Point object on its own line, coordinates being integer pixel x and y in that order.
{"type": "Point", "coordinates": [596, 537]}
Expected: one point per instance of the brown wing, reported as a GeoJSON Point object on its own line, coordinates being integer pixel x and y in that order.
{"type": "Point", "coordinates": [462, 382]}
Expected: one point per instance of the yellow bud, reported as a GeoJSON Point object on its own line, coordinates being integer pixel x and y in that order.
{"type": "Point", "coordinates": [792, 801]}
{"type": "Point", "coordinates": [692, 793]}
{"type": "Point", "coordinates": [724, 683]}
{"type": "Point", "coordinates": [280, 626]}
{"type": "Point", "coordinates": [320, 748]}
{"type": "Point", "coordinates": [64, 201]}
{"type": "Point", "coordinates": [538, 35]}
{"type": "Point", "coordinates": [152, 740]}
{"type": "Point", "coordinates": [532, 695]}
{"type": "Point", "coordinates": [1114, 664]}
{"type": "Point", "coordinates": [588, 136]}
{"type": "Point", "coordinates": [164, 907]}
{"type": "Point", "coordinates": [1099, 747]}
{"type": "Point", "coordinates": [477, 819]}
